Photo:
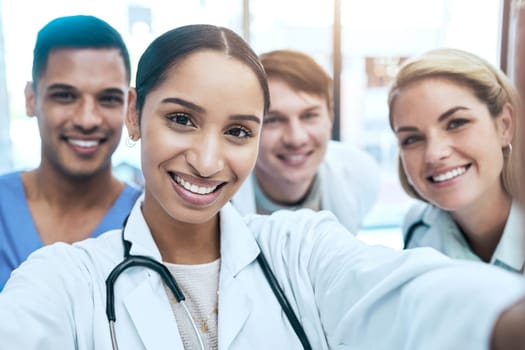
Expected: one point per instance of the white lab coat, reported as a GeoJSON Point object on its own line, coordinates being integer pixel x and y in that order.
{"type": "Point", "coordinates": [349, 183]}
{"type": "Point", "coordinates": [434, 227]}
{"type": "Point", "coordinates": [347, 295]}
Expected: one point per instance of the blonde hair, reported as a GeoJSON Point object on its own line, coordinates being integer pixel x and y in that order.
{"type": "Point", "coordinates": [490, 85]}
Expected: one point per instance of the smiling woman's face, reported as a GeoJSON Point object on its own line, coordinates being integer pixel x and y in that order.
{"type": "Point", "coordinates": [450, 145]}
{"type": "Point", "coordinates": [200, 131]}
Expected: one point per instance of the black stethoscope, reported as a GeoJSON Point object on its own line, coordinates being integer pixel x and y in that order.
{"type": "Point", "coordinates": [147, 262]}
{"type": "Point", "coordinates": [411, 230]}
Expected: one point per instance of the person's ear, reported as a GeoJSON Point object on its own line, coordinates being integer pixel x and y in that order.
{"type": "Point", "coordinates": [505, 124]}
{"type": "Point", "coordinates": [30, 97]}
{"type": "Point", "coordinates": [132, 116]}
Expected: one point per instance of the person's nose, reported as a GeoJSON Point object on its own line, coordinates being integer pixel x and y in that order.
{"type": "Point", "coordinates": [87, 116]}
{"type": "Point", "coordinates": [438, 148]}
{"type": "Point", "coordinates": [295, 134]}
{"type": "Point", "coordinates": [205, 156]}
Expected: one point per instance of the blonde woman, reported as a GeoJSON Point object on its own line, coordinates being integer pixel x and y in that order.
{"type": "Point", "coordinates": [455, 117]}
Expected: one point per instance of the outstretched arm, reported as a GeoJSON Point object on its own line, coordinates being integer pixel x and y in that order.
{"type": "Point", "coordinates": [415, 299]}
{"type": "Point", "coordinates": [509, 331]}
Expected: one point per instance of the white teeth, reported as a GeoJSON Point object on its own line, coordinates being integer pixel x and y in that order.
{"type": "Point", "coordinates": [294, 158]}
{"type": "Point", "coordinates": [194, 188]}
{"type": "Point", "coordinates": [449, 174]}
{"type": "Point", "coordinates": [83, 143]}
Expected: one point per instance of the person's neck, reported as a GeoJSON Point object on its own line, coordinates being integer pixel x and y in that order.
{"type": "Point", "coordinates": [483, 223]}
{"type": "Point", "coordinates": [281, 192]}
{"type": "Point", "coordinates": [67, 192]}
{"type": "Point", "coordinates": [180, 242]}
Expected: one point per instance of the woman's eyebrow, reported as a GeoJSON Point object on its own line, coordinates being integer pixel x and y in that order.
{"type": "Point", "coordinates": [406, 129]}
{"type": "Point", "coordinates": [451, 111]}
{"type": "Point", "coordinates": [199, 109]}
{"type": "Point", "coordinates": [184, 103]}
{"type": "Point", "coordinates": [241, 117]}
{"type": "Point", "coordinates": [441, 118]}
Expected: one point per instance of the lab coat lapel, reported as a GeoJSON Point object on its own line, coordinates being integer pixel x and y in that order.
{"type": "Point", "coordinates": [137, 232]}
{"type": "Point", "coordinates": [235, 305]}
{"type": "Point", "coordinates": [147, 303]}
{"type": "Point", "coordinates": [151, 314]}
{"type": "Point", "coordinates": [238, 250]}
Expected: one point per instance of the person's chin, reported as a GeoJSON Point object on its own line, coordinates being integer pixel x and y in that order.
{"type": "Point", "coordinates": [451, 202]}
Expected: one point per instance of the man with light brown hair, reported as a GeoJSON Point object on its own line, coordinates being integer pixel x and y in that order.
{"type": "Point", "coordinates": [298, 166]}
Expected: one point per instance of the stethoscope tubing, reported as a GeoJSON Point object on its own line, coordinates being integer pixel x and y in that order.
{"type": "Point", "coordinates": [143, 261]}
{"type": "Point", "coordinates": [283, 301]}
{"type": "Point", "coordinates": [149, 263]}
{"type": "Point", "coordinates": [411, 231]}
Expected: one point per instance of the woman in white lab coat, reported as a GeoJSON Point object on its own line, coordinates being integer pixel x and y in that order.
{"type": "Point", "coordinates": [455, 117]}
{"type": "Point", "coordinates": [200, 98]}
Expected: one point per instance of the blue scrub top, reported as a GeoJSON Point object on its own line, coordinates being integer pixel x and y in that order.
{"type": "Point", "coordinates": [18, 234]}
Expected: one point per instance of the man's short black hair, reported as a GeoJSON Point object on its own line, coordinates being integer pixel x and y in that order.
{"type": "Point", "coordinates": [76, 32]}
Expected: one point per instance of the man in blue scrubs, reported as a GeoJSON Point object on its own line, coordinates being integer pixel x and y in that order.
{"type": "Point", "coordinates": [79, 96]}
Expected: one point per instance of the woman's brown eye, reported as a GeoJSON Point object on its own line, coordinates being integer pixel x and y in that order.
{"type": "Point", "coordinates": [456, 123]}
{"type": "Point", "coordinates": [180, 118]}
{"type": "Point", "coordinates": [239, 132]}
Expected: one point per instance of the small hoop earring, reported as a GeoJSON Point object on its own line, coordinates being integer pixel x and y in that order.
{"type": "Point", "coordinates": [130, 142]}
{"type": "Point", "coordinates": [507, 150]}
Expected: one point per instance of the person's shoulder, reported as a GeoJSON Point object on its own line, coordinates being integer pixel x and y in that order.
{"type": "Point", "coordinates": [89, 253]}
{"type": "Point", "coordinates": [67, 265]}
{"type": "Point", "coordinates": [298, 225]}
{"type": "Point", "coordinates": [345, 153]}
{"type": "Point", "coordinates": [304, 216]}
{"type": "Point", "coordinates": [10, 179]}
{"type": "Point", "coordinates": [291, 240]}
{"type": "Point", "coordinates": [422, 211]}
{"type": "Point", "coordinates": [101, 245]}
{"type": "Point", "coordinates": [108, 244]}
{"type": "Point", "coordinates": [12, 190]}
{"type": "Point", "coordinates": [128, 197]}
{"type": "Point", "coordinates": [423, 218]}
{"type": "Point", "coordinates": [352, 164]}
{"type": "Point", "coordinates": [350, 182]}
{"type": "Point", "coordinates": [49, 261]}
{"type": "Point", "coordinates": [415, 213]}
{"type": "Point", "coordinates": [131, 190]}
{"type": "Point", "coordinates": [416, 210]}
